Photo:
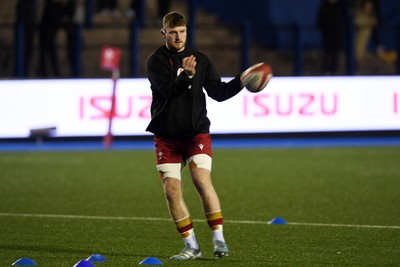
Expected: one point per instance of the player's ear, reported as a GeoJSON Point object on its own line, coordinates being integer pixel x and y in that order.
{"type": "Point", "coordinates": [163, 32]}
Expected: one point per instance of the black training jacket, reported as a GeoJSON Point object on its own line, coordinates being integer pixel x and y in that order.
{"type": "Point", "coordinates": [178, 109]}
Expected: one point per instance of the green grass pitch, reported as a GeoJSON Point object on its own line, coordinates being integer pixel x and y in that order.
{"type": "Point", "coordinates": [60, 207]}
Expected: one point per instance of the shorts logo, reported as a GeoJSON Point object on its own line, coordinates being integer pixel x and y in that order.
{"type": "Point", "coordinates": [201, 146]}
{"type": "Point", "coordinates": [160, 154]}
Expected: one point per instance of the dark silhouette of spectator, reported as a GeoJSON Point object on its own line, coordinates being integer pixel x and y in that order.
{"type": "Point", "coordinates": [368, 20]}
{"type": "Point", "coordinates": [73, 21]}
{"type": "Point", "coordinates": [331, 23]}
{"type": "Point", "coordinates": [5, 57]}
{"type": "Point", "coordinates": [50, 25]}
{"type": "Point", "coordinates": [365, 21]}
{"type": "Point", "coordinates": [375, 37]}
{"type": "Point", "coordinates": [26, 11]}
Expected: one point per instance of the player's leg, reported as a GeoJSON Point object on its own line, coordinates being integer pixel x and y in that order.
{"type": "Point", "coordinates": [200, 163]}
{"type": "Point", "coordinates": [180, 214]}
{"type": "Point", "coordinates": [170, 173]}
{"type": "Point", "coordinates": [202, 181]}
{"type": "Point", "coordinates": [172, 186]}
{"type": "Point", "coordinates": [212, 208]}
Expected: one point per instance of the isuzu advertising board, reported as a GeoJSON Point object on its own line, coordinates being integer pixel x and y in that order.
{"type": "Point", "coordinates": [80, 107]}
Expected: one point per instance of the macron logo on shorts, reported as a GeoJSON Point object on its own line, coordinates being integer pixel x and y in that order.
{"type": "Point", "coordinates": [201, 146]}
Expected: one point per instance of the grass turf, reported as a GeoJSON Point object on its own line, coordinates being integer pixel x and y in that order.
{"type": "Point", "coordinates": [358, 186]}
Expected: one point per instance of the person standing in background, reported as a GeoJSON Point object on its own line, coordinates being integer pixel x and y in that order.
{"type": "Point", "coordinates": [27, 17]}
{"type": "Point", "coordinates": [331, 23]}
{"type": "Point", "coordinates": [375, 37]}
{"type": "Point", "coordinates": [365, 21]}
{"type": "Point", "coordinates": [52, 21]}
{"type": "Point", "coordinates": [74, 18]}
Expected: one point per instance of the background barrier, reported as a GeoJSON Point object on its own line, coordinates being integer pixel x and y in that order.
{"type": "Point", "coordinates": [80, 107]}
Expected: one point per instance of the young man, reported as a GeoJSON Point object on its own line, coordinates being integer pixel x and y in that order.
{"type": "Point", "coordinates": [180, 125]}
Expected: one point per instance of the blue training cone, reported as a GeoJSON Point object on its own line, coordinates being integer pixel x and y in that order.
{"type": "Point", "coordinates": [277, 221]}
{"type": "Point", "coordinates": [24, 262]}
{"type": "Point", "coordinates": [151, 261]}
{"type": "Point", "coordinates": [96, 258]}
{"type": "Point", "coordinates": [84, 263]}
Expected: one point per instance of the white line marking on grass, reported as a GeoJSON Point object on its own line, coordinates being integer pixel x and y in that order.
{"type": "Point", "coordinates": [346, 225]}
{"type": "Point", "coordinates": [120, 218]}
{"type": "Point", "coordinates": [85, 217]}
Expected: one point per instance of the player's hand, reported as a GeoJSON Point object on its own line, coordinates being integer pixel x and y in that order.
{"type": "Point", "coordinates": [189, 65]}
{"type": "Point", "coordinates": [241, 79]}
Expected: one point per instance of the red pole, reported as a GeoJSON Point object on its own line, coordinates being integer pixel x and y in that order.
{"type": "Point", "coordinates": [108, 138]}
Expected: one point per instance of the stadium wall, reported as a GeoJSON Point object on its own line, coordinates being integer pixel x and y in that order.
{"type": "Point", "coordinates": [284, 14]}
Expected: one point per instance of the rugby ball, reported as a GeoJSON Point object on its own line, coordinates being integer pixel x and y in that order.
{"type": "Point", "coordinates": [256, 78]}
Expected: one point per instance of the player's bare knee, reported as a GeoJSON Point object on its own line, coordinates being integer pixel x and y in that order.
{"type": "Point", "coordinates": [203, 186]}
{"type": "Point", "coordinates": [172, 189]}
{"type": "Point", "coordinates": [172, 194]}
{"type": "Point", "coordinates": [203, 161]}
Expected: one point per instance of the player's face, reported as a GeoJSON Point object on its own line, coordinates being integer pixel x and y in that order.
{"type": "Point", "coordinates": [175, 38]}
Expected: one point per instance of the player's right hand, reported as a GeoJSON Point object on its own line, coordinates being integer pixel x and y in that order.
{"type": "Point", "coordinates": [189, 65]}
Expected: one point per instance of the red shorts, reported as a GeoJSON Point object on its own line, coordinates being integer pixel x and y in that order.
{"type": "Point", "coordinates": [177, 151]}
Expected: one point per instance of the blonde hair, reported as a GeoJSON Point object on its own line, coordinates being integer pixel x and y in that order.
{"type": "Point", "coordinates": [173, 19]}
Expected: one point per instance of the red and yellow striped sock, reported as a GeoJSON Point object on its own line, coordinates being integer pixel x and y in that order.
{"type": "Point", "coordinates": [215, 221]}
{"type": "Point", "coordinates": [185, 228]}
